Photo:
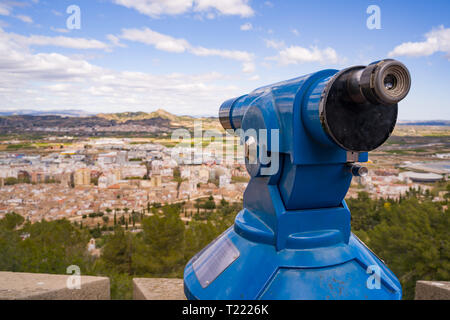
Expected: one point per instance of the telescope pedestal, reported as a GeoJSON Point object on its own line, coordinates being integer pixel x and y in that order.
{"type": "Point", "coordinates": [246, 269]}
{"type": "Point", "coordinates": [304, 254]}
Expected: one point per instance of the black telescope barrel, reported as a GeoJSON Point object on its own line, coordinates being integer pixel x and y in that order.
{"type": "Point", "coordinates": [382, 82]}
{"type": "Point", "coordinates": [360, 110]}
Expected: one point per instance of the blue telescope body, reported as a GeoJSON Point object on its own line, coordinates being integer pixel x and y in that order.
{"type": "Point", "coordinates": [303, 139]}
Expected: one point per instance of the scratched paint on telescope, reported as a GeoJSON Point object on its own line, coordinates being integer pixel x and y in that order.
{"type": "Point", "coordinates": [213, 260]}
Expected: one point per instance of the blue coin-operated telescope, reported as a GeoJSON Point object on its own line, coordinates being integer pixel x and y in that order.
{"type": "Point", "coordinates": [303, 138]}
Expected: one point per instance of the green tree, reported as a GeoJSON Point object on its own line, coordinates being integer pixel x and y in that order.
{"type": "Point", "coordinates": [53, 246]}
{"type": "Point", "coordinates": [10, 255]}
{"type": "Point", "coordinates": [117, 251]}
{"type": "Point", "coordinates": [160, 251]}
{"type": "Point", "coordinates": [413, 240]}
{"type": "Point", "coordinates": [11, 221]}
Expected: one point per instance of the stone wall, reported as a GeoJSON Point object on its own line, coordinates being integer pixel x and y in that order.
{"type": "Point", "coordinates": [158, 289]}
{"type": "Point", "coordinates": [432, 290]}
{"type": "Point", "coordinates": [36, 286]}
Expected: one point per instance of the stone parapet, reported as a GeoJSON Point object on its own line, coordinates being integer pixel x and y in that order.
{"type": "Point", "coordinates": [158, 289]}
{"type": "Point", "coordinates": [37, 286]}
{"type": "Point", "coordinates": [432, 290]}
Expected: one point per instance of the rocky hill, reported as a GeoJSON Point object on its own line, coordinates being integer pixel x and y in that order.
{"type": "Point", "coordinates": [91, 124]}
{"type": "Point", "coordinates": [159, 121]}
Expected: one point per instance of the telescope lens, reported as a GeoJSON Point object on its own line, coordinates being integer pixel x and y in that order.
{"type": "Point", "coordinates": [390, 82]}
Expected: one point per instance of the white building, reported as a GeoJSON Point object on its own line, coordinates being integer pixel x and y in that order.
{"type": "Point", "coordinates": [224, 181]}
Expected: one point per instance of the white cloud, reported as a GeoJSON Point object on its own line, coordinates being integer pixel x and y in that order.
{"type": "Point", "coordinates": [246, 58]}
{"type": "Point", "coordinates": [156, 8]}
{"type": "Point", "coordinates": [297, 54]}
{"type": "Point", "coordinates": [59, 41]}
{"type": "Point", "coordinates": [248, 67]}
{"type": "Point", "coordinates": [115, 41]}
{"type": "Point", "coordinates": [158, 40]}
{"type": "Point", "coordinates": [437, 40]}
{"type": "Point", "coordinates": [16, 61]}
{"type": "Point", "coordinates": [4, 10]}
{"type": "Point", "coordinates": [48, 81]}
{"type": "Point", "coordinates": [60, 30]}
{"type": "Point", "coordinates": [58, 87]}
{"type": "Point", "coordinates": [295, 32]}
{"type": "Point", "coordinates": [178, 45]}
{"type": "Point", "coordinates": [229, 54]}
{"type": "Point", "coordinates": [274, 44]}
{"type": "Point", "coordinates": [24, 18]}
{"type": "Point", "coordinates": [57, 13]}
{"type": "Point", "coordinates": [226, 7]}
{"type": "Point", "coordinates": [246, 26]}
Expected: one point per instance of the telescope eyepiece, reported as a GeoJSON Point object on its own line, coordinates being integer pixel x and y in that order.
{"type": "Point", "coordinates": [383, 82]}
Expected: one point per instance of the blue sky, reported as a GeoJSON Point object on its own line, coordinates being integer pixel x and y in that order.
{"type": "Point", "coordinates": [187, 56]}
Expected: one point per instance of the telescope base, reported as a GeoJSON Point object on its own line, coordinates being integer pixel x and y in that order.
{"type": "Point", "coordinates": [234, 268]}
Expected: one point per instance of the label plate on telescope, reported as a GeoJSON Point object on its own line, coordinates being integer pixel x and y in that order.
{"type": "Point", "coordinates": [214, 259]}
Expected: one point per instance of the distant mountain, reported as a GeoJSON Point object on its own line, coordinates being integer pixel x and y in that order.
{"type": "Point", "coordinates": [126, 116]}
{"type": "Point", "coordinates": [121, 117]}
{"type": "Point", "coordinates": [426, 123]}
{"type": "Point", "coordinates": [62, 113]}
{"type": "Point", "coordinates": [73, 124]}
{"type": "Point", "coordinates": [158, 114]}
{"type": "Point", "coordinates": [74, 121]}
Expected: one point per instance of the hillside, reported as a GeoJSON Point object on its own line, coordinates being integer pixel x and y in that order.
{"type": "Point", "coordinates": [62, 113]}
{"type": "Point", "coordinates": [127, 116]}
{"type": "Point", "coordinates": [175, 121]}
{"type": "Point", "coordinates": [90, 125]}
{"type": "Point", "coordinates": [159, 121]}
